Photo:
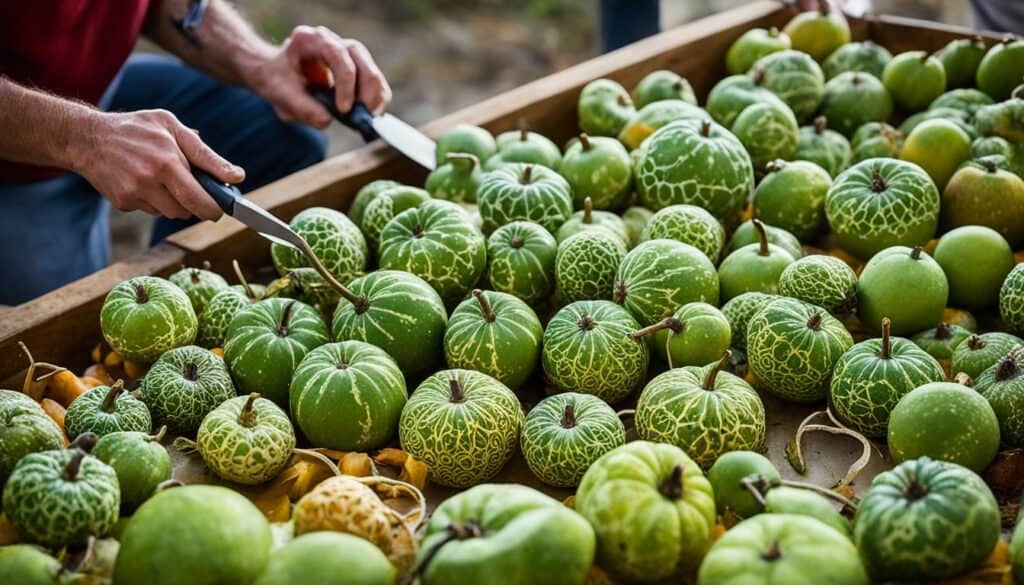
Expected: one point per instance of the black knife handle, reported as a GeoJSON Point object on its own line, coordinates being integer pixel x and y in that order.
{"type": "Point", "coordinates": [358, 118]}
{"type": "Point", "coordinates": [223, 193]}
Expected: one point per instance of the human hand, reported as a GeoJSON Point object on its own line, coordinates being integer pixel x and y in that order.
{"type": "Point", "coordinates": [347, 66]}
{"type": "Point", "coordinates": [140, 161]}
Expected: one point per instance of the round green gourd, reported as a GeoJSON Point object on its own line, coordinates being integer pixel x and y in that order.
{"type": "Point", "coordinates": [368, 193]}
{"type": "Point", "coordinates": [768, 131]}
{"type": "Point", "coordinates": [200, 284]}
{"type": "Point", "coordinates": [247, 440]}
{"type": "Point", "coordinates": [1003, 386]}
{"type": "Point", "coordinates": [946, 421]}
{"type": "Point", "coordinates": [521, 192]}
{"type": "Point", "coordinates": [821, 280]}
{"type": "Point", "coordinates": [969, 100]}
{"type": "Point", "coordinates": [754, 267]}
{"type": "Point", "coordinates": [1011, 300]}
{"type": "Point", "coordinates": [871, 378]}
{"type": "Point", "coordinates": [727, 477]}
{"type": "Point", "coordinates": [751, 46]}
{"type": "Point", "coordinates": [659, 276]}
{"type": "Point", "coordinates": [652, 509]}
{"type": "Point", "coordinates": [793, 76]}
{"type": "Point", "coordinates": [853, 99]}
{"type": "Point", "coordinates": [383, 208]}
{"type": "Point", "coordinates": [700, 163]}
{"type": "Point", "coordinates": [586, 264]}
{"type": "Point", "coordinates": [26, 564]}
{"type": "Point", "coordinates": [588, 348]}
{"type": "Point", "coordinates": [457, 180]}
{"type": "Point", "coordinates": [399, 313]}
{"type": "Point", "coordinates": [194, 535]}
{"type": "Point", "coordinates": [958, 118]}
{"type": "Point", "coordinates": [792, 347]}
{"type": "Point", "coordinates": [215, 318]}
{"type": "Point", "coordinates": [521, 261]}
{"type": "Point", "coordinates": [940, 341]}
{"type": "Point", "coordinates": [818, 32]}
{"type": "Point", "coordinates": [703, 410]}
{"type": "Point", "coordinates": [654, 116]}
{"type": "Point", "coordinates": [636, 219]}
{"type": "Point", "coordinates": [791, 196]}
{"type": "Point", "coordinates": [145, 316]}
{"type": "Point", "coordinates": [906, 285]}
{"type": "Point", "coordinates": [925, 519]}
{"type": "Point", "coordinates": [939, 147]}
{"type": "Point", "coordinates": [24, 428]}
{"type": "Point", "coordinates": [876, 140]}
{"type": "Point", "coordinates": [960, 59]}
{"type": "Point", "coordinates": [914, 79]}
{"type": "Point", "coordinates": [740, 309]}
{"type": "Point", "coordinates": [183, 386]}
{"type": "Point", "coordinates": [1002, 68]}
{"type": "Point", "coordinates": [827, 148]}
{"type": "Point", "coordinates": [306, 285]}
{"type": "Point", "coordinates": [61, 498]}
{"type": "Point", "coordinates": [334, 239]}
{"type": "Point", "coordinates": [734, 94]}
{"type": "Point", "coordinates": [588, 218]}
{"type": "Point", "coordinates": [463, 139]}
{"type": "Point", "coordinates": [347, 396]}
{"type": "Point", "coordinates": [978, 353]}
{"type": "Point", "coordinates": [436, 242]}
{"type": "Point", "coordinates": [980, 193]}
{"type": "Point", "coordinates": [328, 558]}
{"type": "Point", "coordinates": [267, 340]}
{"type": "Point", "coordinates": [878, 203]}
{"type": "Point", "coordinates": [521, 146]}
{"type": "Point", "coordinates": [565, 433]}
{"type": "Point", "coordinates": [804, 502]}
{"type": "Point", "coordinates": [976, 260]}
{"type": "Point", "coordinates": [866, 57]}
{"type": "Point", "coordinates": [598, 168]}
{"type": "Point", "coordinates": [688, 224]}
{"type": "Point", "coordinates": [463, 424]}
{"type": "Point", "coordinates": [748, 233]}
{"type": "Point", "coordinates": [107, 409]}
{"type": "Point", "coordinates": [140, 462]}
{"type": "Point", "coordinates": [496, 334]}
{"type": "Point", "coordinates": [662, 85]}
{"type": "Point", "coordinates": [697, 334]}
{"type": "Point", "coordinates": [604, 108]}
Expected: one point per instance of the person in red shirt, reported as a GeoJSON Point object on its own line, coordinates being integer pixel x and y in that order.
{"type": "Point", "coordinates": [85, 125]}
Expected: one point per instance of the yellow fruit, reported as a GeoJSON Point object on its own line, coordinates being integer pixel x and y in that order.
{"type": "Point", "coordinates": [939, 147]}
{"type": "Point", "coordinates": [818, 32]}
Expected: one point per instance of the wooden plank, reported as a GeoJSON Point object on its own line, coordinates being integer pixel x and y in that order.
{"type": "Point", "coordinates": [63, 325]}
{"type": "Point", "coordinates": [899, 34]}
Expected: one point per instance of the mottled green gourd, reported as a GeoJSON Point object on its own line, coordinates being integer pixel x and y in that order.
{"type": "Point", "coordinates": [524, 147]}
{"type": "Point", "coordinates": [565, 433]}
{"type": "Point", "coordinates": [521, 261]}
{"type": "Point", "coordinates": [866, 57]}
{"type": "Point", "coordinates": [853, 99]}
{"type": "Point", "coordinates": [267, 340]}
{"type": "Point", "coordinates": [969, 100]}
{"type": "Point", "coordinates": [1004, 119]}
{"type": "Point", "coordinates": [464, 139]}
{"type": "Point", "coordinates": [586, 265]}
{"type": "Point", "coordinates": [247, 440]}
{"type": "Point", "coordinates": [818, 32]}
{"type": "Point", "coordinates": [960, 59]}
{"type": "Point", "coordinates": [107, 409]}
{"type": "Point", "coordinates": [978, 353]}
{"type": "Point", "coordinates": [24, 428]}
{"type": "Point", "coordinates": [751, 46]}
{"type": "Point", "coordinates": [599, 169]}
{"type": "Point", "coordinates": [652, 509]}
{"type": "Point", "coordinates": [1011, 300]}
{"type": "Point", "coordinates": [753, 268]}
{"type": "Point", "coordinates": [145, 316]}
{"type": "Point", "coordinates": [914, 79]}
{"type": "Point", "coordinates": [879, 203]}
{"type": "Point", "coordinates": [604, 108]}
{"type": "Point", "coordinates": [654, 116]}
{"type": "Point", "coordinates": [821, 280]}
{"type": "Point", "coordinates": [457, 179]}
{"type": "Point", "coordinates": [688, 224]}
{"type": "Point", "coordinates": [347, 396]}
{"type": "Point", "coordinates": [588, 218]}
{"type": "Point", "coordinates": [876, 140]}
{"type": "Point", "coordinates": [328, 558]}
{"type": "Point", "coordinates": [982, 194]}
{"type": "Point", "coordinates": [215, 318]}
{"type": "Point", "coordinates": [939, 147]}
{"type": "Point", "coordinates": [1003, 386]}
{"type": "Point", "coordinates": [791, 196]}
{"type": "Point", "coordinates": [871, 378]}
{"type": "Point", "coordinates": [521, 192]}
{"type": "Point", "coordinates": [793, 76]}
{"type": "Point", "coordinates": [399, 313]}
{"type": "Point", "coordinates": [803, 549]}
{"type": "Point", "coordinates": [659, 276]}
{"type": "Point", "coordinates": [782, 499]}
{"type": "Point", "coordinates": [368, 193]}
{"type": "Point", "coordinates": [703, 410]}
{"type": "Point", "coordinates": [1002, 68]}
{"type": "Point", "coordinates": [734, 94]}
{"type": "Point", "coordinates": [940, 341]}
{"type": "Point", "coordinates": [740, 309]}
{"type": "Point", "coordinates": [694, 335]}
{"type": "Point", "coordinates": [383, 208]}
{"type": "Point", "coordinates": [62, 497]}
{"type": "Point", "coordinates": [29, 564]}
{"type": "Point", "coordinates": [792, 347]}
{"type": "Point", "coordinates": [925, 519]}
{"type": "Point", "coordinates": [662, 85]}
{"type": "Point", "coordinates": [958, 118]}
{"type": "Point", "coordinates": [827, 148]}
{"type": "Point", "coordinates": [308, 286]}
{"type": "Point", "coordinates": [200, 284]}
{"type": "Point", "coordinates": [695, 162]}
{"type": "Point", "coordinates": [907, 286]}
{"type": "Point", "coordinates": [140, 462]}
{"type": "Point", "coordinates": [587, 348]}
{"type": "Point", "coordinates": [496, 334]}
{"type": "Point", "coordinates": [768, 131]}
{"type": "Point", "coordinates": [183, 386]}
{"type": "Point", "coordinates": [463, 424]}
{"type": "Point", "coordinates": [636, 219]}
{"type": "Point", "coordinates": [334, 239]}
{"type": "Point", "coordinates": [976, 260]}
{"type": "Point", "coordinates": [747, 233]}
{"type": "Point", "coordinates": [727, 477]}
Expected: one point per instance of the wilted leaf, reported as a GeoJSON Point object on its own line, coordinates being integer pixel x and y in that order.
{"type": "Point", "coordinates": [391, 456]}
{"type": "Point", "coordinates": [271, 499]}
{"type": "Point", "coordinates": [134, 371]}
{"type": "Point", "coordinates": [414, 472]}
{"type": "Point", "coordinates": [8, 533]}
{"type": "Point", "coordinates": [357, 464]}
{"type": "Point", "coordinates": [54, 411]}
{"type": "Point", "coordinates": [304, 474]}
{"type": "Point", "coordinates": [994, 571]}
{"type": "Point", "coordinates": [100, 372]}
{"type": "Point", "coordinates": [719, 529]}
{"type": "Point", "coordinates": [1006, 473]}
{"type": "Point", "coordinates": [570, 502]}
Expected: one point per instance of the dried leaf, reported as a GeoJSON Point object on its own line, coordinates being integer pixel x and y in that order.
{"type": "Point", "coordinates": [100, 372]}
{"type": "Point", "coordinates": [994, 571]}
{"type": "Point", "coordinates": [597, 576]}
{"type": "Point", "coordinates": [218, 351]}
{"type": "Point", "coordinates": [719, 529]}
{"type": "Point", "coordinates": [8, 533]}
{"type": "Point", "coordinates": [391, 456]}
{"type": "Point", "coordinates": [570, 502]}
{"type": "Point", "coordinates": [54, 410]}
{"type": "Point", "coordinates": [91, 382]}
{"type": "Point", "coordinates": [271, 499]}
{"type": "Point", "coordinates": [331, 453]}
{"type": "Point", "coordinates": [305, 474]}
{"type": "Point", "coordinates": [113, 360]}
{"type": "Point", "coordinates": [414, 472]}
{"type": "Point", "coordinates": [357, 464]}
{"type": "Point", "coordinates": [97, 353]}
{"type": "Point", "coordinates": [134, 371]}
{"type": "Point", "coordinates": [1006, 473]}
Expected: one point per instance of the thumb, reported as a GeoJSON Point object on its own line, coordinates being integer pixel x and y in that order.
{"type": "Point", "coordinates": [202, 156]}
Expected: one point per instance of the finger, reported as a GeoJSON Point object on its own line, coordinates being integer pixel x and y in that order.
{"type": "Point", "coordinates": [165, 204]}
{"type": "Point", "coordinates": [189, 194]}
{"type": "Point", "coordinates": [329, 48]}
{"type": "Point", "coordinates": [371, 84]}
{"type": "Point", "coordinates": [202, 156]}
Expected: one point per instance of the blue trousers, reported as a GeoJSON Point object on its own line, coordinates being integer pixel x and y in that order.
{"type": "Point", "coordinates": [55, 231]}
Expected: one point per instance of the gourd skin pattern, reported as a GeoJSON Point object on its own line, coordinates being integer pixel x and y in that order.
{"type": "Point", "coordinates": [246, 454]}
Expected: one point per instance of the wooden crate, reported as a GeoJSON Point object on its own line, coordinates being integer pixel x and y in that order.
{"type": "Point", "coordinates": [63, 325]}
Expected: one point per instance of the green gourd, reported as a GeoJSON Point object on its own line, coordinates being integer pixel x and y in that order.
{"type": "Point", "coordinates": [853, 99]}
{"type": "Point", "coordinates": [29, 564]}
{"type": "Point", "coordinates": [334, 239]}
{"type": "Point", "coordinates": [751, 46]}
{"type": "Point", "coordinates": [183, 386]}
{"type": "Point", "coordinates": [785, 499]}
{"type": "Point", "coordinates": [215, 318]}
{"type": "Point", "coordinates": [768, 131]}
{"type": "Point", "coordinates": [729, 477]}
{"type": "Point", "coordinates": [636, 219]}
{"type": "Point", "coordinates": [821, 280]}
{"type": "Point", "coordinates": [598, 168]}
{"type": "Point", "coordinates": [368, 193]}
{"type": "Point", "coordinates": [827, 148]}
{"type": "Point", "coordinates": [1011, 300]}
{"type": "Point", "coordinates": [978, 353]}
{"type": "Point", "coordinates": [1003, 386]}
{"type": "Point", "coordinates": [818, 32]}
{"type": "Point", "coordinates": [730, 96]}
{"type": "Point", "coordinates": [740, 309]}
{"type": "Point", "coordinates": [753, 268]}
{"type": "Point", "coordinates": [653, 116]}
{"type": "Point", "coordinates": [1002, 68]}
{"type": "Point", "coordinates": [521, 261]}
{"type": "Point", "coordinates": [588, 218]}
{"type": "Point", "coordinates": [464, 139]}
{"type": "Point", "coordinates": [866, 57]}
{"type": "Point", "coordinates": [524, 192]}
{"type": "Point", "coordinates": [940, 341]}
{"type": "Point", "coordinates": [662, 85]}
{"type": "Point", "coordinates": [457, 179]}
{"type": "Point", "coordinates": [383, 208]}
{"type": "Point", "coordinates": [914, 79]}
{"type": "Point", "coordinates": [969, 100]}
{"type": "Point", "coordinates": [906, 285]}
{"type": "Point", "coordinates": [200, 284]}
{"type": "Point", "coordinates": [697, 334]}
{"type": "Point", "coordinates": [659, 276]}
{"type": "Point", "coordinates": [24, 428]}
{"type": "Point", "coordinates": [247, 440]}
{"type": "Point", "coordinates": [604, 108]}
{"type": "Point", "coordinates": [688, 224]}
{"type": "Point", "coordinates": [976, 260]}
{"type": "Point", "coordinates": [107, 409]}
{"type": "Point", "coordinates": [145, 316]}
{"type": "Point", "coordinates": [876, 140]}
{"type": "Point", "coordinates": [791, 196]}
{"type": "Point", "coordinates": [793, 76]}
{"type": "Point", "coordinates": [140, 462]}
{"type": "Point", "coordinates": [328, 558]}
{"type": "Point", "coordinates": [960, 60]}
{"type": "Point", "coordinates": [586, 265]}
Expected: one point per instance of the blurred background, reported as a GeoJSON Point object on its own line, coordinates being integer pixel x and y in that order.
{"type": "Point", "coordinates": [443, 55]}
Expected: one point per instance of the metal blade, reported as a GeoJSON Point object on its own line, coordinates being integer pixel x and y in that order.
{"type": "Point", "coordinates": [406, 139]}
{"type": "Point", "coordinates": [263, 222]}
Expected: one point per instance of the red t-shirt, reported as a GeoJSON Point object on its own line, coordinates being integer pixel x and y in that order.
{"type": "Point", "coordinates": [71, 48]}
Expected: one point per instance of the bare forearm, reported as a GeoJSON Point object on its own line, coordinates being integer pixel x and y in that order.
{"type": "Point", "coordinates": [40, 128]}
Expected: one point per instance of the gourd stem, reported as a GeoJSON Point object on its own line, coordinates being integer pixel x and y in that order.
{"type": "Point", "coordinates": [774, 166]}
{"type": "Point", "coordinates": [964, 379]}
{"type": "Point", "coordinates": [975, 342]}
{"type": "Point", "coordinates": [773, 31]}
{"type": "Point", "coordinates": [672, 486]}
{"type": "Point", "coordinates": [168, 484]}
{"type": "Point", "coordinates": [527, 175]}
{"type": "Point", "coordinates": [914, 490]}
{"type": "Point", "coordinates": [74, 465]}
{"type": "Point", "coordinates": [141, 295]}
{"type": "Point", "coordinates": [886, 352]}
{"type": "Point", "coordinates": [359, 302]}
{"type": "Point", "coordinates": [877, 182]}
{"type": "Point", "coordinates": [159, 436]}
{"type": "Point", "coordinates": [989, 165]}
{"type": "Point", "coordinates": [470, 159]}
{"type": "Point", "coordinates": [485, 305]}
{"type": "Point", "coordinates": [247, 418]}
{"type": "Point", "coordinates": [819, 124]}
{"type": "Point", "coordinates": [814, 323]}
{"type": "Point", "coordinates": [588, 210]}
{"type": "Point", "coordinates": [773, 552]}
{"type": "Point", "coordinates": [677, 85]}
{"type": "Point", "coordinates": [847, 502]}
{"type": "Point", "coordinates": [568, 416]}
{"type": "Point", "coordinates": [1008, 366]}
{"type": "Point", "coordinates": [584, 141]}
{"type": "Point", "coordinates": [84, 442]}
{"type": "Point", "coordinates": [193, 274]}
{"type": "Point", "coordinates": [516, 242]}
{"type": "Point", "coordinates": [524, 134]}
{"type": "Point", "coordinates": [753, 488]}
{"type": "Point", "coordinates": [759, 76]}
{"type": "Point", "coordinates": [915, 253]}
{"type": "Point", "coordinates": [705, 128]}
{"type": "Point", "coordinates": [586, 323]}
{"type": "Point", "coordinates": [943, 331]}
{"type": "Point", "coordinates": [855, 78]}
{"type": "Point", "coordinates": [672, 323]}
{"type": "Point", "coordinates": [457, 394]}
{"type": "Point", "coordinates": [241, 278]}
{"type": "Point", "coordinates": [190, 372]}
{"type": "Point", "coordinates": [924, 58]}
{"type": "Point", "coordinates": [110, 400]}
{"type": "Point", "coordinates": [762, 235]}
{"type": "Point", "coordinates": [286, 317]}
{"type": "Point", "coordinates": [709, 381]}
{"type": "Point", "coordinates": [622, 100]}
{"type": "Point", "coordinates": [454, 531]}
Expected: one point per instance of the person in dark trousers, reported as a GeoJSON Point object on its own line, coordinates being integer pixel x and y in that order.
{"type": "Point", "coordinates": [998, 15]}
{"type": "Point", "coordinates": [86, 125]}
{"type": "Point", "coordinates": [627, 21]}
